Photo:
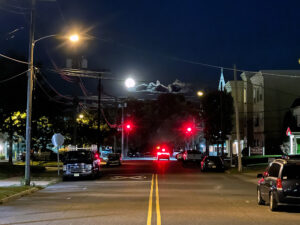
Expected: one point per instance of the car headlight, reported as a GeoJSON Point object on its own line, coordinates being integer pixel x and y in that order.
{"type": "Point", "coordinates": [88, 166]}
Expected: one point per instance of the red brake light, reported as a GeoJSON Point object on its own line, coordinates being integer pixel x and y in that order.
{"type": "Point", "coordinates": [97, 156]}
{"type": "Point", "coordinates": [163, 149]}
{"type": "Point", "coordinates": [279, 184]}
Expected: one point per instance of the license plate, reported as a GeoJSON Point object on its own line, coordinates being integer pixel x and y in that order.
{"type": "Point", "coordinates": [76, 174]}
{"type": "Point", "coordinates": [214, 167]}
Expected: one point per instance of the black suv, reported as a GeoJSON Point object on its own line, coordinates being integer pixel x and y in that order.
{"type": "Point", "coordinates": [280, 184]}
{"type": "Point", "coordinates": [81, 163]}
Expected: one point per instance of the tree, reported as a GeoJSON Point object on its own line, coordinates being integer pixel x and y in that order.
{"type": "Point", "coordinates": [217, 115]}
{"type": "Point", "coordinates": [14, 125]}
{"type": "Point", "coordinates": [42, 134]}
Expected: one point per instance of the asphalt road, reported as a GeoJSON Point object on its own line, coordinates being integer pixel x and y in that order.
{"type": "Point", "coordinates": [148, 192]}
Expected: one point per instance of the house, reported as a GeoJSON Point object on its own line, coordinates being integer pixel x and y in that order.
{"type": "Point", "coordinates": [268, 95]}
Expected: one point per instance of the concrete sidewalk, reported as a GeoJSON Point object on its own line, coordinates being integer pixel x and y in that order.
{"type": "Point", "coordinates": [16, 181]}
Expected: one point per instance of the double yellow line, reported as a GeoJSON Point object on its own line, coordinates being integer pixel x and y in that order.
{"type": "Point", "coordinates": [158, 217]}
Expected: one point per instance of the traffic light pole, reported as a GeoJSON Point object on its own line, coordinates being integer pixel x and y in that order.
{"type": "Point", "coordinates": [122, 138]}
{"type": "Point", "coordinates": [99, 112]}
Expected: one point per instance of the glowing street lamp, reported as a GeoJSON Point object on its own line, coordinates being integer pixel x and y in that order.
{"type": "Point", "coordinates": [129, 83]}
{"type": "Point", "coordinates": [74, 38]}
{"type": "Point", "coordinates": [200, 93]}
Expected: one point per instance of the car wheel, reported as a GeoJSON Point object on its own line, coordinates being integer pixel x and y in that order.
{"type": "Point", "coordinates": [260, 201]}
{"type": "Point", "coordinates": [273, 203]}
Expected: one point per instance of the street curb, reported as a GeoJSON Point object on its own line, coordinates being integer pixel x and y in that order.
{"type": "Point", "coordinates": [19, 195]}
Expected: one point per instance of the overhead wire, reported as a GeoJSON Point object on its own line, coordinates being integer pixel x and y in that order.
{"type": "Point", "coordinates": [16, 60]}
{"type": "Point", "coordinates": [13, 77]}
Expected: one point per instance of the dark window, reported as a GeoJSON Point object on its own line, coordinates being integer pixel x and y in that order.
{"type": "Point", "coordinates": [274, 170]}
{"type": "Point", "coordinates": [257, 121]}
{"type": "Point", "coordinates": [291, 172]}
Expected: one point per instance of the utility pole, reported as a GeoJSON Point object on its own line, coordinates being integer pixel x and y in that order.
{"type": "Point", "coordinates": [30, 75]}
{"type": "Point", "coordinates": [237, 121]}
{"type": "Point", "coordinates": [99, 111]}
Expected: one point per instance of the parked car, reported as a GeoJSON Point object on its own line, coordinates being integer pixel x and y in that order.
{"type": "Point", "coordinates": [179, 156]}
{"type": "Point", "coordinates": [191, 156]}
{"type": "Point", "coordinates": [212, 163]}
{"type": "Point", "coordinates": [280, 184]}
{"type": "Point", "coordinates": [113, 159]}
{"type": "Point", "coordinates": [81, 163]}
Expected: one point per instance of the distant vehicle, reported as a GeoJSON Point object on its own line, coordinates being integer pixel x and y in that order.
{"type": "Point", "coordinates": [176, 152]}
{"type": "Point", "coordinates": [179, 156]}
{"type": "Point", "coordinates": [212, 163]}
{"type": "Point", "coordinates": [114, 159]}
{"type": "Point", "coordinates": [191, 156]}
{"type": "Point", "coordinates": [81, 163]}
{"type": "Point", "coordinates": [104, 152]}
{"type": "Point", "coordinates": [162, 152]}
{"type": "Point", "coordinates": [280, 184]}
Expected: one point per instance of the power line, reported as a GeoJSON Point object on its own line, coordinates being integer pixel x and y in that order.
{"type": "Point", "coordinates": [13, 77]}
{"type": "Point", "coordinates": [16, 60]}
{"type": "Point", "coordinates": [174, 58]}
{"type": "Point", "coordinates": [61, 95]}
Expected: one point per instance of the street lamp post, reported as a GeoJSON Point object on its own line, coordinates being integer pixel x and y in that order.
{"type": "Point", "coordinates": [30, 74]}
{"type": "Point", "coordinates": [29, 94]}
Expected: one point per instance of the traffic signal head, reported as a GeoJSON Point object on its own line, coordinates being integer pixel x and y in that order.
{"type": "Point", "coordinates": [128, 126]}
{"type": "Point", "coordinates": [188, 129]}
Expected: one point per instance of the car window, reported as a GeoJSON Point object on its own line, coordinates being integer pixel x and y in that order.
{"type": "Point", "coordinates": [78, 156]}
{"type": "Point", "coordinates": [291, 172]}
{"type": "Point", "coordinates": [274, 170]}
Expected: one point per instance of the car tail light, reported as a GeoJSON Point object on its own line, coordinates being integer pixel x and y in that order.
{"type": "Point", "coordinates": [97, 156]}
{"type": "Point", "coordinates": [279, 184]}
{"type": "Point", "coordinates": [158, 153]}
{"type": "Point", "coordinates": [261, 180]}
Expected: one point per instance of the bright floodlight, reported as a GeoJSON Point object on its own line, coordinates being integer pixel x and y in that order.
{"type": "Point", "coordinates": [74, 38]}
{"type": "Point", "coordinates": [129, 83]}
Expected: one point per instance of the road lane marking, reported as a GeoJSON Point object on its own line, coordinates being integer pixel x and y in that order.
{"type": "Point", "coordinates": [158, 217]}
{"type": "Point", "coordinates": [150, 203]}
{"type": "Point", "coordinates": [127, 177]}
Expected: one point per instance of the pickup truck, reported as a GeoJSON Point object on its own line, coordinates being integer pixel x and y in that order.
{"type": "Point", "coordinates": [191, 156]}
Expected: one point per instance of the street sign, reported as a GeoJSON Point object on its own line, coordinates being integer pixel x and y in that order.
{"type": "Point", "coordinates": [288, 132]}
{"type": "Point", "coordinates": [57, 140]}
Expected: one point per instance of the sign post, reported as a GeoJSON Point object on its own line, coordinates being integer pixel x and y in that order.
{"type": "Point", "coordinates": [289, 133]}
{"type": "Point", "coordinates": [57, 141]}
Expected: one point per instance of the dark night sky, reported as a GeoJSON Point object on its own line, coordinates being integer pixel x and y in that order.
{"type": "Point", "coordinates": [141, 37]}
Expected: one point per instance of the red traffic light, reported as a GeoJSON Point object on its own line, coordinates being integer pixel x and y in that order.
{"type": "Point", "coordinates": [189, 129]}
{"type": "Point", "coordinates": [128, 126]}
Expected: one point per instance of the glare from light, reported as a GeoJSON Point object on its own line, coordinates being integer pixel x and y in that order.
{"type": "Point", "coordinates": [81, 116]}
{"type": "Point", "coordinates": [129, 83]}
{"type": "Point", "coordinates": [200, 93]}
{"type": "Point", "coordinates": [74, 38]}
{"type": "Point", "coordinates": [189, 129]}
